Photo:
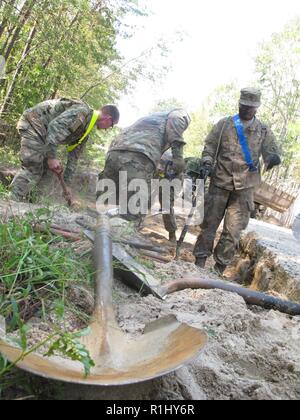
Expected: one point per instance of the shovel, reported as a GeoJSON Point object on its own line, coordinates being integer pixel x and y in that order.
{"type": "Point", "coordinates": [67, 194]}
{"type": "Point", "coordinates": [165, 346]}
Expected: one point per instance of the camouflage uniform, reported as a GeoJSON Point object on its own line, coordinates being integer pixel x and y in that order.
{"type": "Point", "coordinates": [232, 185]}
{"type": "Point", "coordinates": [192, 171]}
{"type": "Point", "coordinates": [169, 219]}
{"type": "Point", "coordinates": [42, 129]}
{"type": "Point", "coordinates": [139, 148]}
{"type": "Point", "coordinates": [136, 165]}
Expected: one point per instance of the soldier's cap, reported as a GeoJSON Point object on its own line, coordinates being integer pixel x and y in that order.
{"type": "Point", "coordinates": [250, 97]}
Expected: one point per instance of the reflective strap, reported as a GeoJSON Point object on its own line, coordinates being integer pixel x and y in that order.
{"type": "Point", "coordinates": [244, 143]}
{"type": "Point", "coordinates": [93, 121]}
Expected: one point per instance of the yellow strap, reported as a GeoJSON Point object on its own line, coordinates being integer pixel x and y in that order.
{"type": "Point", "coordinates": [93, 121]}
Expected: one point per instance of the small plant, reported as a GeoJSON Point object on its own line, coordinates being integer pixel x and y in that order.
{"type": "Point", "coordinates": [36, 269]}
{"type": "Point", "coordinates": [68, 345]}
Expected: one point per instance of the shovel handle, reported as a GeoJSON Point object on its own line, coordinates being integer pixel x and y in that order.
{"type": "Point", "coordinates": [66, 191]}
{"type": "Point", "coordinates": [103, 263]}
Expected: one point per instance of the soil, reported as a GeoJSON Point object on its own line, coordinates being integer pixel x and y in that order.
{"type": "Point", "coordinates": [252, 353]}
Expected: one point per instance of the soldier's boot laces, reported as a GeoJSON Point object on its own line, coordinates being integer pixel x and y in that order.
{"type": "Point", "coordinates": [200, 262]}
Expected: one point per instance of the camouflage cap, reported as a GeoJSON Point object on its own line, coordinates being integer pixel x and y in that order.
{"type": "Point", "coordinates": [250, 97]}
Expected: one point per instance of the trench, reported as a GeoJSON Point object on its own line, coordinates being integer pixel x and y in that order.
{"type": "Point", "coordinates": [259, 268]}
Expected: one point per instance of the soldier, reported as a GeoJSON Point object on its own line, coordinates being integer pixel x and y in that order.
{"type": "Point", "coordinates": [139, 148]}
{"type": "Point", "coordinates": [193, 172]}
{"type": "Point", "coordinates": [165, 170]}
{"type": "Point", "coordinates": [48, 125]}
{"type": "Point", "coordinates": [231, 157]}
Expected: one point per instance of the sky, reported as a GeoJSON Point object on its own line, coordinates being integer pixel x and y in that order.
{"type": "Point", "coordinates": [221, 39]}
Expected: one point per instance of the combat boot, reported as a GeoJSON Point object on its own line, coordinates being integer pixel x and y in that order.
{"type": "Point", "coordinates": [200, 262]}
{"type": "Point", "coordinates": [172, 237]}
{"type": "Point", "coordinates": [220, 268]}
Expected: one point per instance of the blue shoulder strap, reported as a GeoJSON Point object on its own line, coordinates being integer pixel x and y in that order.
{"type": "Point", "coordinates": [244, 143]}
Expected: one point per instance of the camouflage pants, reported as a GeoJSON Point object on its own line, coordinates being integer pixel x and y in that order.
{"type": "Point", "coordinates": [33, 162]}
{"type": "Point", "coordinates": [137, 166]}
{"type": "Point", "coordinates": [235, 208]}
{"type": "Point", "coordinates": [169, 218]}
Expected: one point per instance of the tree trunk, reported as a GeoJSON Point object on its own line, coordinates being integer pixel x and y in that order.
{"type": "Point", "coordinates": [62, 38]}
{"type": "Point", "coordinates": [6, 11]}
{"type": "Point", "coordinates": [18, 70]}
{"type": "Point", "coordinates": [25, 14]}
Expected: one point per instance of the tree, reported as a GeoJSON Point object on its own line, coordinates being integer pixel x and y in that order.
{"type": "Point", "coordinates": [197, 132]}
{"type": "Point", "coordinates": [72, 44]}
{"type": "Point", "coordinates": [278, 69]}
{"type": "Point", "coordinates": [166, 105]}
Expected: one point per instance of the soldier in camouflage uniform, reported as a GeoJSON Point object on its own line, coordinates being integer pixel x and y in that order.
{"type": "Point", "coordinates": [165, 171]}
{"type": "Point", "coordinates": [139, 148]}
{"type": "Point", "coordinates": [230, 195]}
{"type": "Point", "coordinates": [48, 125]}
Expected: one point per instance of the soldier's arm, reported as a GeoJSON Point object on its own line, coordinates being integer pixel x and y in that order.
{"type": "Point", "coordinates": [269, 145]}
{"type": "Point", "coordinates": [211, 144]}
{"type": "Point", "coordinates": [63, 126]}
{"type": "Point", "coordinates": [177, 123]}
{"type": "Point", "coordinates": [72, 162]}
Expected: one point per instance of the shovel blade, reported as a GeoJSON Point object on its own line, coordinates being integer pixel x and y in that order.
{"type": "Point", "coordinates": [164, 347]}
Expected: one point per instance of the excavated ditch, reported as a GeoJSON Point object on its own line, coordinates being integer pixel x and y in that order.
{"type": "Point", "coordinates": [269, 260]}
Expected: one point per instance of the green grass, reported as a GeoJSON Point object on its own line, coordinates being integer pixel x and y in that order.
{"type": "Point", "coordinates": [36, 270]}
{"type": "Point", "coordinates": [4, 193]}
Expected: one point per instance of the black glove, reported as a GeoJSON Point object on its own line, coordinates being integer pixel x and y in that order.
{"type": "Point", "coordinates": [271, 161]}
{"type": "Point", "coordinates": [206, 170]}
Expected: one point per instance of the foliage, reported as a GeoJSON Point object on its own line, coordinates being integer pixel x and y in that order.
{"type": "Point", "coordinates": [223, 101]}
{"type": "Point", "coordinates": [68, 345]}
{"type": "Point", "coordinates": [278, 70]}
{"type": "Point", "coordinates": [72, 46]}
{"type": "Point", "coordinates": [167, 105]}
{"type": "Point", "coordinates": [35, 272]}
{"type": "Point", "coordinates": [196, 133]}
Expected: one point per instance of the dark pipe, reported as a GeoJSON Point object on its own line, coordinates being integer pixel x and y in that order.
{"type": "Point", "coordinates": [250, 296]}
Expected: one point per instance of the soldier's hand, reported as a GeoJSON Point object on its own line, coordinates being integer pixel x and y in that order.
{"type": "Point", "coordinates": [271, 161]}
{"type": "Point", "coordinates": [206, 170]}
{"type": "Point", "coordinates": [55, 166]}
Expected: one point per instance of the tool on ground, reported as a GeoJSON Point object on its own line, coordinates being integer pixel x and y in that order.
{"type": "Point", "coordinates": [66, 190]}
{"type": "Point", "coordinates": [88, 231]}
{"type": "Point", "coordinates": [250, 296]}
{"type": "Point", "coordinates": [165, 346]}
{"type": "Point", "coordinates": [130, 271]}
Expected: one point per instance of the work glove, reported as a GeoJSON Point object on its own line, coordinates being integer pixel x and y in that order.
{"type": "Point", "coordinates": [178, 166]}
{"type": "Point", "coordinates": [206, 170]}
{"type": "Point", "coordinates": [271, 161]}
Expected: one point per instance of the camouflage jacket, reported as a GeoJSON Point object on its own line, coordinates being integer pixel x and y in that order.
{"type": "Point", "coordinates": [56, 122]}
{"type": "Point", "coordinates": [154, 135]}
{"type": "Point", "coordinates": [231, 170]}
